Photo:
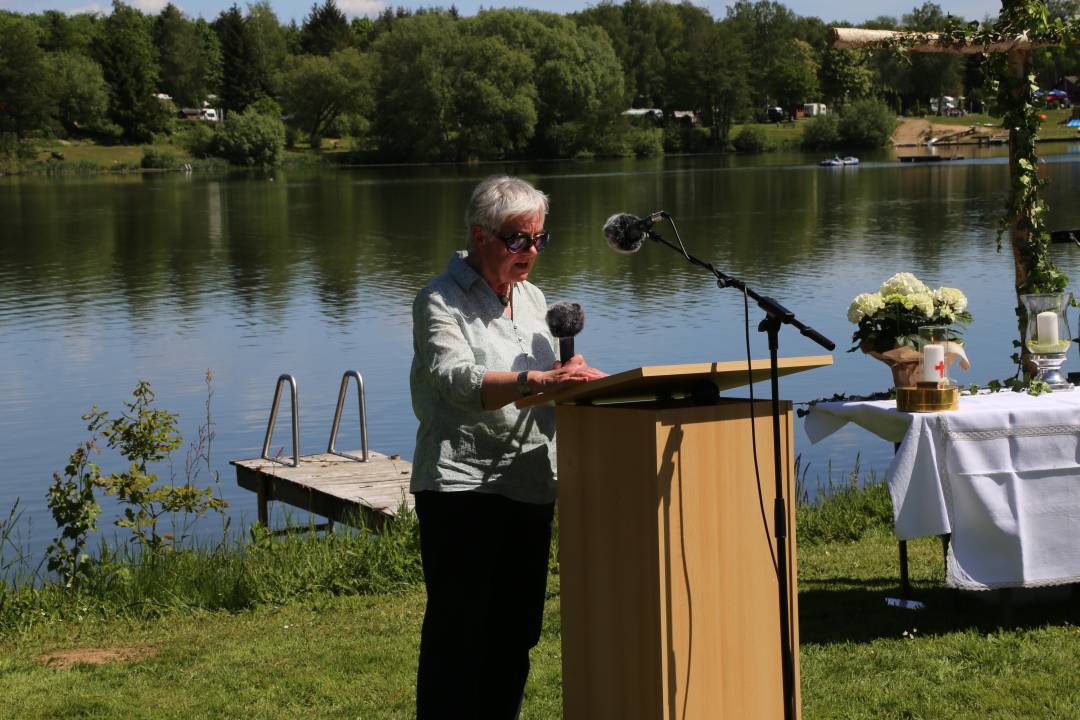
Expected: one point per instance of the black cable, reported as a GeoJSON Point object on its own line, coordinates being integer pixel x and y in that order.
{"type": "Point", "coordinates": [753, 435]}
{"type": "Point", "coordinates": [750, 386]}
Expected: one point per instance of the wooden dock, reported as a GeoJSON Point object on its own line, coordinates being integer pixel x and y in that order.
{"type": "Point", "coordinates": [928, 158]}
{"type": "Point", "coordinates": [361, 494]}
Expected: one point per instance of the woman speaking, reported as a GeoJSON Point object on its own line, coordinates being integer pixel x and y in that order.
{"type": "Point", "coordinates": [484, 471]}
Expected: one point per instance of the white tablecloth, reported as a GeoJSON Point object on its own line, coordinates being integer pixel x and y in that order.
{"type": "Point", "coordinates": [1002, 474]}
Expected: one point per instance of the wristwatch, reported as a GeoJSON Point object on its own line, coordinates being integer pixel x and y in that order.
{"type": "Point", "coordinates": [523, 384]}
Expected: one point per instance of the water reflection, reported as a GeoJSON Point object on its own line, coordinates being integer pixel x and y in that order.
{"type": "Point", "coordinates": [107, 280]}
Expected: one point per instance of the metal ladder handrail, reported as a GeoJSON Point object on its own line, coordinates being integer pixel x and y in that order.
{"type": "Point", "coordinates": [337, 417]}
{"type": "Point", "coordinates": [295, 421]}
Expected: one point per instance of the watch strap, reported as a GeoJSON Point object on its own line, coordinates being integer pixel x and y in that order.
{"type": "Point", "coordinates": [523, 383]}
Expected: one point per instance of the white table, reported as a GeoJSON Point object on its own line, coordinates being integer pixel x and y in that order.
{"type": "Point", "coordinates": [1001, 474]}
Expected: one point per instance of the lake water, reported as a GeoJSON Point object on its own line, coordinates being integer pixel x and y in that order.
{"type": "Point", "coordinates": [106, 280]}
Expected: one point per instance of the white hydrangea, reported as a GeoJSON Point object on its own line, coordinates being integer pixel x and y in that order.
{"type": "Point", "coordinates": [951, 299]}
{"type": "Point", "coordinates": [903, 284]}
{"type": "Point", "coordinates": [922, 302]}
{"type": "Point", "coordinates": [864, 304]}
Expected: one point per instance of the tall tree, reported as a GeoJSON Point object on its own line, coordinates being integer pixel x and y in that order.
{"type": "Point", "coordinates": [796, 72]}
{"type": "Point", "coordinates": [723, 81]}
{"type": "Point", "coordinates": [471, 92]}
{"type": "Point", "coordinates": [578, 79]}
{"type": "Point", "coordinates": [183, 65]}
{"type": "Point", "coordinates": [240, 85]}
{"type": "Point", "coordinates": [414, 118]}
{"type": "Point", "coordinates": [82, 97]}
{"type": "Point", "coordinates": [325, 30]}
{"type": "Point", "coordinates": [70, 33]}
{"type": "Point", "coordinates": [318, 89]}
{"type": "Point", "coordinates": [768, 27]}
{"type": "Point", "coordinates": [268, 46]}
{"type": "Point", "coordinates": [843, 76]}
{"type": "Point", "coordinates": [128, 61]}
{"type": "Point", "coordinates": [495, 99]}
{"type": "Point", "coordinates": [210, 49]}
{"type": "Point", "coordinates": [25, 98]}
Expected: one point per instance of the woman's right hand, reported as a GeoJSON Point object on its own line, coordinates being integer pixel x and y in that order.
{"type": "Point", "coordinates": [573, 371]}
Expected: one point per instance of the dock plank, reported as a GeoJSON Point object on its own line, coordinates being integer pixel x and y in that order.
{"type": "Point", "coordinates": [363, 494]}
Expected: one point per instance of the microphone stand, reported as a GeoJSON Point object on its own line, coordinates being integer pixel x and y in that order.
{"type": "Point", "coordinates": [776, 315]}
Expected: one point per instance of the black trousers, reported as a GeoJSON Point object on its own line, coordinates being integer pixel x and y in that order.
{"type": "Point", "coordinates": [485, 567]}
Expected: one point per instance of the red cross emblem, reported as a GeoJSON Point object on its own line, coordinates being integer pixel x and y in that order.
{"type": "Point", "coordinates": [940, 367]}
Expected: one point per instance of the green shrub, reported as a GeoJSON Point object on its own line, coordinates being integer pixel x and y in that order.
{"type": "Point", "coordinates": [867, 123]}
{"type": "Point", "coordinates": [611, 144]}
{"type": "Point", "coordinates": [647, 142]}
{"type": "Point", "coordinates": [13, 148]}
{"type": "Point", "coordinates": [250, 138]}
{"type": "Point", "coordinates": [679, 138]}
{"type": "Point", "coordinates": [749, 140]}
{"type": "Point", "coordinates": [198, 138]}
{"type": "Point", "coordinates": [266, 106]}
{"type": "Point", "coordinates": [822, 132]}
{"type": "Point", "coordinates": [158, 158]}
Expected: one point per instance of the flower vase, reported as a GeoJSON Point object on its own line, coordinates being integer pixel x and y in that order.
{"type": "Point", "coordinates": [904, 363]}
{"type": "Point", "coordinates": [905, 374]}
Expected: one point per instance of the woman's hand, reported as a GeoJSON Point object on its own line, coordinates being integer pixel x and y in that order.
{"type": "Point", "coordinates": [501, 388]}
{"type": "Point", "coordinates": [573, 371]}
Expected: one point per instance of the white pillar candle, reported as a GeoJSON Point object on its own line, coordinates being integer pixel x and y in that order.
{"type": "Point", "coordinates": [1047, 328]}
{"type": "Point", "coordinates": [933, 363]}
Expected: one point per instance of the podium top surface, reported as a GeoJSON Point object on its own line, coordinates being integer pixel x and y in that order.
{"type": "Point", "coordinates": [663, 379]}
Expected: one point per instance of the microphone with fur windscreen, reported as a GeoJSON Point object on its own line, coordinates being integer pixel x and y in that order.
{"type": "Point", "coordinates": [565, 320]}
{"type": "Point", "coordinates": [625, 232]}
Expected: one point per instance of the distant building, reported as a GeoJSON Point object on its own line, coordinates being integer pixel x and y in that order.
{"type": "Point", "coordinates": [209, 114]}
{"type": "Point", "coordinates": [655, 114]}
{"type": "Point", "coordinates": [685, 117]}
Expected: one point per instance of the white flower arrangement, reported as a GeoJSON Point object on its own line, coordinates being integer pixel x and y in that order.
{"type": "Point", "coordinates": [892, 316]}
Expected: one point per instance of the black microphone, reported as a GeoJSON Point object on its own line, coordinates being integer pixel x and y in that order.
{"type": "Point", "coordinates": [625, 232]}
{"type": "Point", "coordinates": [565, 320]}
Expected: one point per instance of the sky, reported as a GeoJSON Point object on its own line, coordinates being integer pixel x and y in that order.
{"type": "Point", "coordinates": [827, 10]}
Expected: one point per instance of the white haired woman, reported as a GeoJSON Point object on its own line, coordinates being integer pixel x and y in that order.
{"type": "Point", "coordinates": [484, 471]}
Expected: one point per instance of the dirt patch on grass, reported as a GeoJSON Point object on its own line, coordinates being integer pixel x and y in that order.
{"type": "Point", "coordinates": [916, 131]}
{"type": "Point", "coordinates": [66, 659]}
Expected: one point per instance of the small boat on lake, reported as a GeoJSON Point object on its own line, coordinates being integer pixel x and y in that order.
{"type": "Point", "coordinates": [837, 161]}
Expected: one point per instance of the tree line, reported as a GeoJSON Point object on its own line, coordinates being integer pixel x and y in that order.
{"type": "Point", "coordinates": [430, 84]}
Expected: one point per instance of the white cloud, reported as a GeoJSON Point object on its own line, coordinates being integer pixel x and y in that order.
{"type": "Point", "coordinates": [150, 7]}
{"type": "Point", "coordinates": [91, 9]}
{"type": "Point", "coordinates": [356, 8]}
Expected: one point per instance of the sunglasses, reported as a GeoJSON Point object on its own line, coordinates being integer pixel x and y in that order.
{"type": "Point", "coordinates": [520, 241]}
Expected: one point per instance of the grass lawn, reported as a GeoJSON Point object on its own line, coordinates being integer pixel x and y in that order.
{"type": "Point", "coordinates": [355, 656]}
{"type": "Point", "coordinates": [778, 136]}
{"type": "Point", "coordinates": [1053, 127]}
{"type": "Point", "coordinates": [105, 156]}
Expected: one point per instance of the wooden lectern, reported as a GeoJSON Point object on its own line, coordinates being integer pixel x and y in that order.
{"type": "Point", "coordinates": [670, 601]}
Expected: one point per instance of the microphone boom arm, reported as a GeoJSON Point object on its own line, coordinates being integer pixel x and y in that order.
{"type": "Point", "coordinates": [771, 307]}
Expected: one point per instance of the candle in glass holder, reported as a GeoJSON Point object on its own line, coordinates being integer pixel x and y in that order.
{"type": "Point", "coordinates": [933, 363]}
{"type": "Point", "coordinates": [1047, 328]}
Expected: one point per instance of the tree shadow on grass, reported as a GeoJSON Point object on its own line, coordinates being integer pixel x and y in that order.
{"type": "Point", "coordinates": [845, 609]}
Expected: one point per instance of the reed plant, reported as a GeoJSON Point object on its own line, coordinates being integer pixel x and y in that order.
{"type": "Point", "coordinates": [840, 511]}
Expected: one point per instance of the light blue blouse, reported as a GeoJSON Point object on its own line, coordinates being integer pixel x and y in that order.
{"type": "Point", "coordinates": [459, 333]}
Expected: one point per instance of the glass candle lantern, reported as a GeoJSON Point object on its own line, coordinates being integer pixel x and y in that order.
{"type": "Point", "coordinates": [1048, 337]}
